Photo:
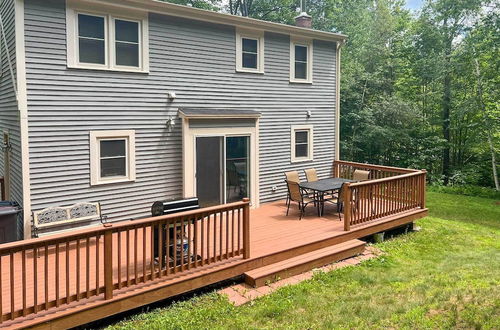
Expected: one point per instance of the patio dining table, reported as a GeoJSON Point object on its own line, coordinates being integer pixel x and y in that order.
{"type": "Point", "coordinates": [323, 186]}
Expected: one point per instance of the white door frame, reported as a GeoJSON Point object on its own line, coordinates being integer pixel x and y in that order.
{"type": "Point", "coordinates": [189, 155]}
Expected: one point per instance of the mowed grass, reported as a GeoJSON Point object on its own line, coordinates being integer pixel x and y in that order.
{"type": "Point", "coordinates": [445, 276]}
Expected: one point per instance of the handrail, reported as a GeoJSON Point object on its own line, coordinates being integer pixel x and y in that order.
{"type": "Point", "coordinates": [376, 167]}
{"type": "Point", "coordinates": [388, 191]}
{"type": "Point", "coordinates": [59, 269]}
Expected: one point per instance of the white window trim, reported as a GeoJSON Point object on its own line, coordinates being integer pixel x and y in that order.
{"type": "Point", "coordinates": [72, 11]}
{"type": "Point", "coordinates": [95, 156]}
{"type": "Point", "coordinates": [259, 36]}
{"type": "Point", "coordinates": [310, 141]}
{"type": "Point", "coordinates": [309, 45]}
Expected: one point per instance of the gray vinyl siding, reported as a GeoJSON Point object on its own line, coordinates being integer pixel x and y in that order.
{"type": "Point", "coordinates": [9, 114]}
{"type": "Point", "coordinates": [196, 60]}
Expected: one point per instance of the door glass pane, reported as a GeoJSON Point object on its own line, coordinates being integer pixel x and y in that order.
{"type": "Point", "coordinates": [237, 168]}
{"type": "Point", "coordinates": [209, 170]}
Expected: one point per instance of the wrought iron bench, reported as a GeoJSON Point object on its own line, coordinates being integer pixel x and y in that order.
{"type": "Point", "coordinates": [59, 219]}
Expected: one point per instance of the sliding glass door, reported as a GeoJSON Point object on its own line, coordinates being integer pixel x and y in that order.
{"type": "Point", "coordinates": [222, 169]}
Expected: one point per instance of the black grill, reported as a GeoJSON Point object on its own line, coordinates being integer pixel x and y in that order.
{"type": "Point", "coordinates": [174, 206]}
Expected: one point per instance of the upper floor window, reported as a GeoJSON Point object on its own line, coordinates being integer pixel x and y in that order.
{"type": "Point", "coordinates": [301, 61]}
{"type": "Point", "coordinates": [249, 51]}
{"type": "Point", "coordinates": [107, 42]}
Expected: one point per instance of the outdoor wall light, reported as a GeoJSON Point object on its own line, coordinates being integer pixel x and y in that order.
{"type": "Point", "coordinates": [170, 123]}
{"type": "Point", "coordinates": [171, 96]}
{"type": "Point", "coordinates": [308, 114]}
{"type": "Point", "coordinates": [6, 146]}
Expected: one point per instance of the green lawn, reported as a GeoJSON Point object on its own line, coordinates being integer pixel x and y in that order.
{"type": "Point", "coordinates": [445, 276]}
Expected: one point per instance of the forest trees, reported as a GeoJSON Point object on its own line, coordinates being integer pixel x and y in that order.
{"type": "Point", "coordinates": [418, 89]}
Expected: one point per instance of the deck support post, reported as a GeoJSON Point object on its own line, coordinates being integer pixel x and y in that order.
{"type": "Point", "coordinates": [246, 228]}
{"type": "Point", "coordinates": [347, 207]}
{"type": "Point", "coordinates": [108, 264]}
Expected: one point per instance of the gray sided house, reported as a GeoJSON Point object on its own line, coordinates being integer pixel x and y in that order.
{"type": "Point", "coordinates": [126, 102]}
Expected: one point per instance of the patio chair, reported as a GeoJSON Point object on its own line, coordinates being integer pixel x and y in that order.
{"type": "Point", "coordinates": [360, 175]}
{"type": "Point", "coordinates": [337, 199]}
{"type": "Point", "coordinates": [300, 196]}
{"type": "Point", "coordinates": [311, 175]}
{"type": "Point", "coordinates": [294, 177]}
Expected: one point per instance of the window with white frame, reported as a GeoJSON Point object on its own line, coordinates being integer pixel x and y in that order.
{"type": "Point", "coordinates": [249, 51]}
{"type": "Point", "coordinates": [112, 156]}
{"type": "Point", "coordinates": [107, 42]}
{"type": "Point", "coordinates": [301, 54]}
{"type": "Point", "coordinates": [301, 143]}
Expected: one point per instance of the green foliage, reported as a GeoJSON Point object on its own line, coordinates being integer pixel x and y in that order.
{"type": "Point", "coordinates": [445, 276]}
{"type": "Point", "coordinates": [467, 190]}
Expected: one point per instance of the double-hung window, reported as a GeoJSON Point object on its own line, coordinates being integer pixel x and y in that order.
{"type": "Point", "coordinates": [301, 53]}
{"type": "Point", "coordinates": [102, 41]}
{"type": "Point", "coordinates": [301, 143]}
{"type": "Point", "coordinates": [249, 51]}
{"type": "Point", "coordinates": [112, 156]}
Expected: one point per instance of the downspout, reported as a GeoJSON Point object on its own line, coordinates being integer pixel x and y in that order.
{"type": "Point", "coordinates": [337, 100]}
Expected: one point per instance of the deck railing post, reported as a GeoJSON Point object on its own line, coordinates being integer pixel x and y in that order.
{"type": "Point", "coordinates": [347, 207]}
{"type": "Point", "coordinates": [423, 184]}
{"type": "Point", "coordinates": [335, 169]}
{"type": "Point", "coordinates": [246, 228]}
{"type": "Point", "coordinates": [108, 264]}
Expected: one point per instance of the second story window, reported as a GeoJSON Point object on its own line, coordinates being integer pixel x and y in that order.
{"type": "Point", "coordinates": [301, 61]}
{"type": "Point", "coordinates": [106, 42]}
{"type": "Point", "coordinates": [91, 39]}
{"type": "Point", "coordinates": [249, 51]}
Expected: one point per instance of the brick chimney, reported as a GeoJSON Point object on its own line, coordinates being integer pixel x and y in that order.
{"type": "Point", "coordinates": [303, 20]}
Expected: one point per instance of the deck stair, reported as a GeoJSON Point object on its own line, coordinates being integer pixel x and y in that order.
{"type": "Point", "coordinates": [303, 263]}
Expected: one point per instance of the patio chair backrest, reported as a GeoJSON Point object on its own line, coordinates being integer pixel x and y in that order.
{"type": "Point", "coordinates": [311, 174]}
{"type": "Point", "coordinates": [294, 190]}
{"type": "Point", "coordinates": [292, 176]}
{"type": "Point", "coordinates": [360, 175]}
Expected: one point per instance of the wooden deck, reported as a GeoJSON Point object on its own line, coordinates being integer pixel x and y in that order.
{"type": "Point", "coordinates": [273, 237]}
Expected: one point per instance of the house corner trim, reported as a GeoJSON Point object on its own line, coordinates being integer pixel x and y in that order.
{"type": "Point", "coordinates": [22, 104]}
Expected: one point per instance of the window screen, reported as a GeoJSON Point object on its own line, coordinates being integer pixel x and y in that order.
{"type": "Point", "coordinates": [250, 53]}
{"type": "Point", "coordinates": [113, 158]}
{"type": "Point", "coordinates": [91, 39]}
{"type": "Point", "coordinates": [302, 144]}
{"type": "Point", "coordinates": [300, 62]}
{"type": "Point", "coordinates": [127, 43]}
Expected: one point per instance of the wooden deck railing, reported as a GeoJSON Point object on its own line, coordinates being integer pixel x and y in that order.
{"type": "Point", "coordinates": [43, 273]}
{"type": "Point", "coordinates": [389, 191]}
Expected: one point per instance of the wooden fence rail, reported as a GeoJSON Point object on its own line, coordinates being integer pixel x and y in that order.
{"type": "Point", "coordinates": [44, 273]}
{"type": "Point", "coordinates": [388, 191]}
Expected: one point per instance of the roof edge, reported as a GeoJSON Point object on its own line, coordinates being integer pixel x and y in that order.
{"type": "Point", "coordinates": [220, 18]}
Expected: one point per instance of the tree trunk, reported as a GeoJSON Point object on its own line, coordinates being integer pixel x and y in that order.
{"type": "Point", "coordinates": [486, 124]}
{"type": "Point", "coordinates": [446, 111]}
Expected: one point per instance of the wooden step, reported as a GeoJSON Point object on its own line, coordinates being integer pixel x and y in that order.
{"type": "Point", "coordinates": [303, 263]}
